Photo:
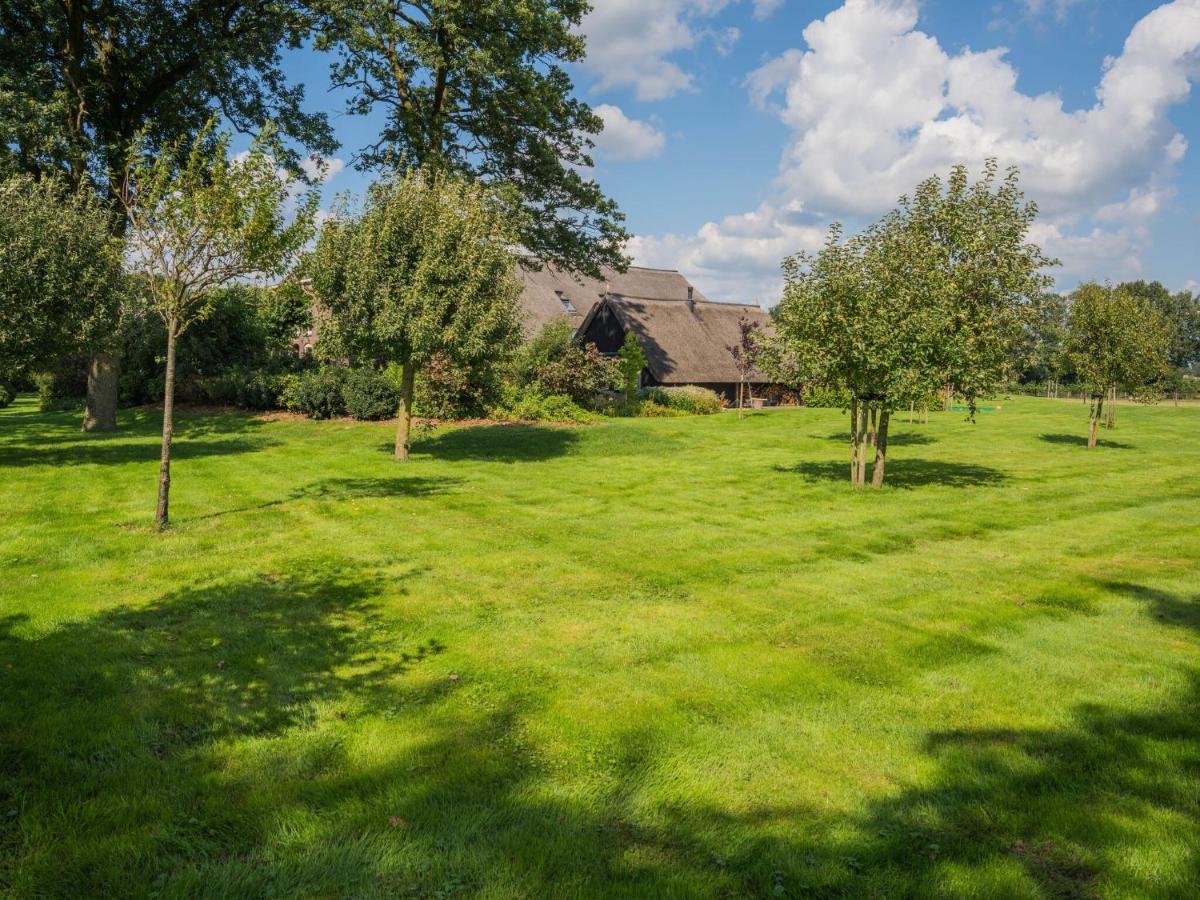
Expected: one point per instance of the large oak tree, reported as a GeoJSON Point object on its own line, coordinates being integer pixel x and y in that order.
{"type": "Point", "coordinates": [478, 87]}
{"type": "Point", "coordinates": [80, 79]}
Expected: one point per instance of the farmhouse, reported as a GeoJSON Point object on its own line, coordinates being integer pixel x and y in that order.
{"type": "Point", "coordinates": [685, 336]}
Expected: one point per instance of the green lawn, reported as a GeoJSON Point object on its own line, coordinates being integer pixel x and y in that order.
{"type": "Point", "coordinates": [649, 657]}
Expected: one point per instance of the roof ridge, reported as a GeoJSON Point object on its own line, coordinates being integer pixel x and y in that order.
{"type": "Point", "coordinates": [705, 302]}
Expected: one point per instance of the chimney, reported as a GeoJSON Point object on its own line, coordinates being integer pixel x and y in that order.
{"type": "Point", "coordinates": [691, 300]}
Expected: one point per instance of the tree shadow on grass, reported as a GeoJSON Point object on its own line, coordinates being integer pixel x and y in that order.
{"type": "Point", "coordinates": [1169, 608]}
{"type": "Point", "coordinates": [55, 439]}
{"type": "Point", "coordinates": [1078, 440]}
{"type": "Point", "coordinates": [341, 489]}
{"type": "Point", "coordinates": [118, 761]}
{"type": "Point", "coordinates": [895, 438]}
{"type": "Point", "coordinates": [510, 443]}
{"type": "Point", "coordinates": [108, 725]}
{"type": "Point", "coordinates": [906, 473]}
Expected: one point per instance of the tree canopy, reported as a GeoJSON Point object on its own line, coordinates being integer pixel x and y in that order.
{"type": "Point", "coordinates": [61, 281]}
{"type": "Point", "coordinates": [199, 221]}
{"type": "Point", "coordinates": [930, 296]}
{"type": "Point", "coordinates": [478, 87]}
{"type": "Point", "coordinates": [1117, 340]}
{"type": "Point", "coordinates": [426, 269]}
{"type": "Point", "coordinates": [81, 80]}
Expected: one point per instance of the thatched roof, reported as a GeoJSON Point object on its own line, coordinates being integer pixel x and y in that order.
{"type": "Point", "coordinates": [545, 290]}
{"type": "Point", "coordinates": [686, 343]}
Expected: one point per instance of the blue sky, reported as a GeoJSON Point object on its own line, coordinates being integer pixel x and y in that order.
{"type": "Point", "coordinates": [739, 129]}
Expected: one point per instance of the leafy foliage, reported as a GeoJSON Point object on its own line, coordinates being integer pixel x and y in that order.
{"type": "Point", "coordinates": [931, 295]}
{"type": "Point", "coordinates": [81, 81]}
{"type": "Point", "coordinates": [369, 394]}
{"type": "Point", "coordinates": [61, 286]}
{"type": "Point", "coordinates": [631, 359]}
{"type": "Point", "coordinates": [317, 394]}
{"type": "Point", "coordinates": [688, 398]}
{"type": "Point", "coordinates": [477, 87]}
{"type": "Point", "coordinates": [553, 362]}
{"type": "Point", "coordinates": [426, 269]}
{"type": "Point", "coordinates": [1117, 340]}
{"type": "Point", "coordinates": [199, 221]}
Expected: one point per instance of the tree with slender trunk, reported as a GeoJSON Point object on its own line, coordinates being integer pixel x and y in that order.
{"type": "Point", "coordinates": [744, 353]}
{"type": "Point", "coordinates": [84, 81]}
{"type": "Point", "coordinates": [631, 360]}
{"type": "Point", "coordinates": [930, 297]}
{"type": "Point", "coordinates": [199, 221]}
{"type": "Point", "coordinates": [1116, 340]}
{"type": "Point", "coordinates": [480, 88]}
{"type": "Point", "coordinates": [426, 269]}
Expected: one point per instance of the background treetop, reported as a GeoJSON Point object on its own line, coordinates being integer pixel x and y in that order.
{"type": "Point", "coordinates": [478, 86]}
{"type": "Point", "coordinates": [81, 79]}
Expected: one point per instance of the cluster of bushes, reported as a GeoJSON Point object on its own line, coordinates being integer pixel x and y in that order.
{"type": "Point", "coordinates": [330, 392]}
{"type": "Point", "coordinates": [689, 399]}
{"type": "Point", "coordinates": [235, 355]}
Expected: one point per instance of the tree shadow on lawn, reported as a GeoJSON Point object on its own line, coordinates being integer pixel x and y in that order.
{"type": "Point", "coordinates": [114, 761]}
{"type": "Point", "coordinates": [508, 443]}
{"type": "Point", "coordinates": [905, 473]}
{"type": "Point", "coordinates": [56, 439]}
{"type": "Point", "coordinates": [340, 489]}
{"type": "Point", "coordinates": [1078, 440]}
{"type": "Point", "coordinates": [895, 438]}
{"type": "Point", "coordinates": [109, 726]}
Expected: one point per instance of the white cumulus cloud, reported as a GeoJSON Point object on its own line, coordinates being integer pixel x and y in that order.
{"type": "Point", "coordinates": [874, 105]}
{"type": "Point", "coordinates": [624, 138]}
{"type": "Point", "coordinates": [629, 42]}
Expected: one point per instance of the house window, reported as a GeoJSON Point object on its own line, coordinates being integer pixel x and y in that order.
{"type": "Point", "coordinates": [567, 305]}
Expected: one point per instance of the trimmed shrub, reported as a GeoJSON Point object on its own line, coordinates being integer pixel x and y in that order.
{"type": "Point", "coordinates": [237, 386]}
{"type": "Point", "coordinates": [317, 394]}
{"type": "Point", "coordinates": [59, 391]}
{"type": "Point", "coordinates": [689, 398]}
{"type": "Point", "coordinates": [447, 390]}
{"type": "Point", "coordinates": [370, 395]}
{"type": "Point", "coordinates": [528, 405]}
{"type": "Point", "coordinates": [6, 395]}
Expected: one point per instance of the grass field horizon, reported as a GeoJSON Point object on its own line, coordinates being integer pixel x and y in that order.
{"type": "Point", "coordinates": [649, 657]}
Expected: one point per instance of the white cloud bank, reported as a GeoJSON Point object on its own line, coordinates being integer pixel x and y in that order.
{"type": "Point", "coordinates": [626, 139]}
{"type": "Point", "coordinates": [875, 105]}
{"type": "Point", "coordinates": [629, 42]}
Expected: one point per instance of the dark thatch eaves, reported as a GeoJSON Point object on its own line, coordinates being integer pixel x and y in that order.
{"type": "Point", "coordinates": [685, 342]}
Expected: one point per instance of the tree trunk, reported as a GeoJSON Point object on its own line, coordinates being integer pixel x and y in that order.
{"type": "Point", "coordinates": [161, 514]}
{"type": "Point", "coordinates": [100, 412]}
{"type": "Point", "coordinates": [1097, 408]}
{"type": "Point", "coordinates": [881, 436]}
{"type": "Point", "coordinates": [854, 441]}
{"type": "Point", "coordinates": [871, 426]}
{"type": "Point", "coordinates": [741, 399]}
{"type": "Point", "coordinates": [1111, 420]}
{"type": "Point", "coordinates": [862, 444]}
{"type": "Point", "coordinates": [408, 373]}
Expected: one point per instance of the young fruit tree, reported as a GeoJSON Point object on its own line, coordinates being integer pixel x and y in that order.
{"type": "Point", "coordinates": [60, 273]}
{"type": "Point", "coordinates": [744, 353]}
{"type": "Point", "coordinates": [631, 359]}
{"type": "Point", "coordinates": [1116, 341]}
{"type": "Point", "coordinates": [931, 296]}
{"type": "Point", "coordinates": [199, 221]}
{"type": "Point", "coordinates": [425, 270]}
